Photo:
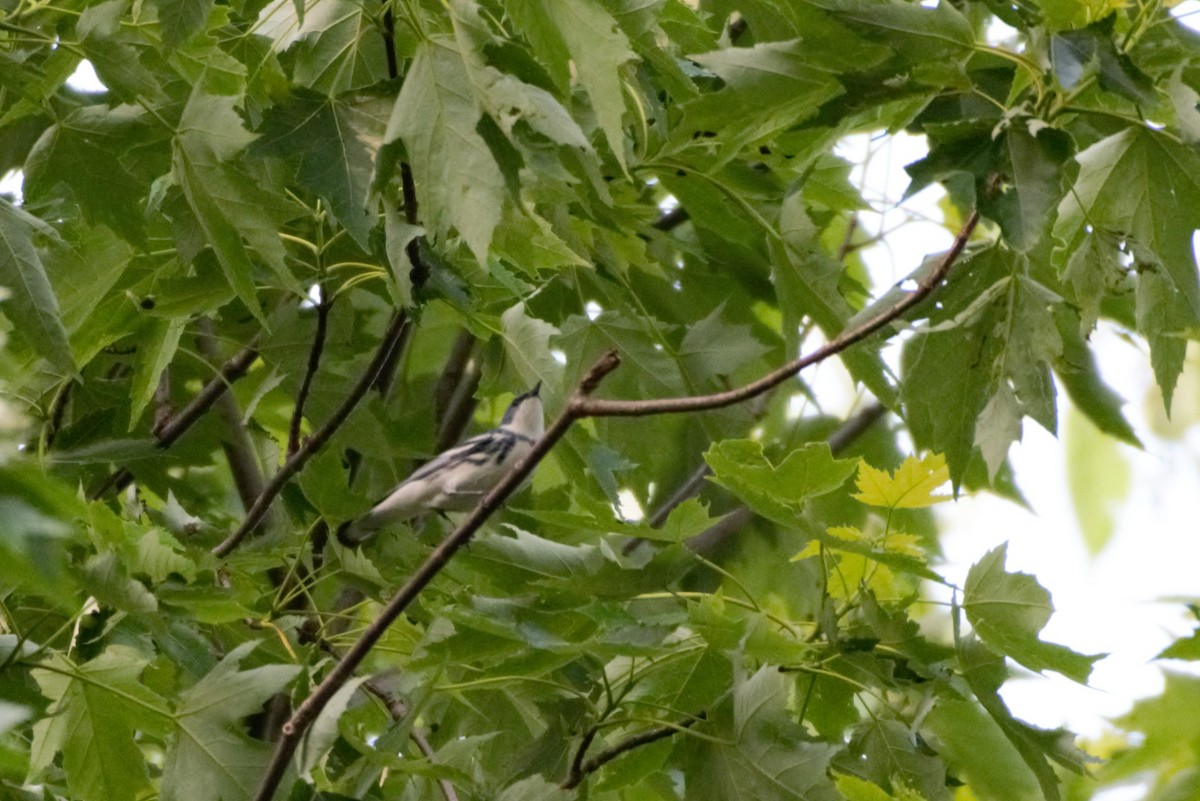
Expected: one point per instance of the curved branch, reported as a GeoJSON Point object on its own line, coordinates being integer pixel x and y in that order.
{"type": "Point", "coordinates": [581, 768]}
{"type": "Point", "coordinates": [393, 340]}
{"type": "Point", "coordinates": [851, 336]}
{"type": "Point", "coordinates": [308, 710]}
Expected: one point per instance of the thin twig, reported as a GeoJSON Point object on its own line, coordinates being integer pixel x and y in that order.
{"type": "Point", "coordinates": [575, 774]}
{"type": "Point", "coordinates": [580, 768]}
{"type": "Point", "coordinates": [304, 715]}
{"type": "Point", "coordinates": [686, 490]}
{"type": "Point", "coordinates": [659, 516]}
{"type": "Point", "coordinates": [181, 421]}
{"type": "Point", "coordinates": [310, 370]}
{"type": "Point", "coordinates": [399, 711]}
{"type": "Point", "coordinates": [851, 336]}
{"type": "Point", "coordinates": [57, 411]}
{"type": "Point", "coordinates": [393, 339]}
{"type": "Point", "coordinates": [847, 245]}
{"type": "Point", "coordinates": [162, 401]}
{"type": "Point", "coordinates": [418, 274]}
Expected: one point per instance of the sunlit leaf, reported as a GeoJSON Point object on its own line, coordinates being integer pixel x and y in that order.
{"type": "Point", "coordinates": [1008, 610]}
{"type": "Point", "coordinates": [910, 486]}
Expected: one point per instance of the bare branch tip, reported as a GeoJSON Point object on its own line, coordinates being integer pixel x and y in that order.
{"type": "Point", "coordinates": [610, 361]}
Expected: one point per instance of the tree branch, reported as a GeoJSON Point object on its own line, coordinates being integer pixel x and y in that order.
{"type": "Point", "coordinates": [239, 449]}
{"type": "Point", "coordinates": [452, 373]}
{"type": "Point", "coordinates": [851, 336]}
{"type": "Point", "coordinates": [580, 405]}
{"type": "Point", "coordinates": [581, 768]}
{"type": "Point", "coordinates": [181, 421]}
{"type": "Point", "coordinates": [310, 370]}
{"type": "Point", "coordinates": [397, 332]}
{"type": "Point", "coordinates": [672, 219]}
{"type": "Point", "coordinates": [575, 774]}
{"type": "Point", "coordinates": [304, 715]}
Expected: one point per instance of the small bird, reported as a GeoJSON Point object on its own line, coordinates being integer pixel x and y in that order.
{"type": "Point", "coordinates": [455, 480]}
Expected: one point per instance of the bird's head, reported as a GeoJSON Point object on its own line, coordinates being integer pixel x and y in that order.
{"type": "Point", "coordinates": [525, 415]}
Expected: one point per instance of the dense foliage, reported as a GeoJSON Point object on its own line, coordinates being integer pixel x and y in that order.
{"type": "Point", "coordinates": [295, 247]}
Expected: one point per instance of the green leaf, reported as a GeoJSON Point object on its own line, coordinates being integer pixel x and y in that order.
{"type": "Point", "coordinates": [31, 305]}
{"type": "Point", "coordinates": [156, 349]}
{"type": "Point", "coordinates": [807, 281]}
{"type": "Point", "coordinates": [1079, 374]}
{"type": "Point", "coordinates": [582, 34]}
{"type": "Point", "coordinates": [976, 748]}
{"type": "Point", "coordinates": [1026, 208]}
{"type": "Point", "coordinates": [180, 19]}
{"type": "Point", "coordinates": [458, 178]}
{"type": "Point", "coordinates": [885, 752]}
{"type": "Point", "coordinates": [777, 492]}
{"type": "Point", "coordinates": [1007, 610]}
{"type": "Point", "coordinates": [113, 50]}
{"type": "Point", "coordinates": [159, 555]}
{"type": "Point", "coordinates": [238, 216]}
{"type": "Point", "coordinates": [1161, 721]}
{"type": "Point", "coordinates": [527, 344]}
{"type": "Point", "coordinates": [334, 141]}
{"type": "Point", "coordinates": [713, 348]}
{"type": "Point", "coordinates": [767, 88]}
{"type": "Point", "coordinates": [209, 757]}
{"type": "Point", "coordinates": [97, 708]}
{"type": "Point", "coordinates": [340, 48]}
{"type": "Point", "coordinates": [856, 789]}
{"type": "Point", "coordinates": [911, 486]}
{"type": "Point", "coordinates": [984, 672]}
{"type": "Point", "coordinates": [83, 152]}
{"type": "Point", "coordinates": [937, 366]}
{"type": "Point", "coordinates": [1162, 174]}
{"type": "Point", "coordinates": [755, 748]}
{"type": "Point", "coordinates": [534, 788]}
{"type": "Point", "coordinates": [997, 427]}
{"type": "Point", "coordinates": [107, 581]}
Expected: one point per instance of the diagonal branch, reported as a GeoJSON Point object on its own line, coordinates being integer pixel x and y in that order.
{"type": "Point", "coordinates": [304, 715]}
{"type": "Point", "coordinates": [579, 406]}
{"type": "Point", "coordinates": [177, 424]}
{"type": "Point", "coordinates": [851, 336]}
{"type": "Point", "coordinates": [397, 333]}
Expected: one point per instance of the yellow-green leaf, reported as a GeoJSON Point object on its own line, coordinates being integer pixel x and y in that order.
{"type": "Point", "coordinates": [911, 486]}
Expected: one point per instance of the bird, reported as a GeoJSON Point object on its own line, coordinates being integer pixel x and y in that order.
{"type": "Point", "coordinates": [455, 480]}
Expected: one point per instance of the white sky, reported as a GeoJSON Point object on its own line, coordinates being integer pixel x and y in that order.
{"type": "Point", "coordinates": [1126, 601]}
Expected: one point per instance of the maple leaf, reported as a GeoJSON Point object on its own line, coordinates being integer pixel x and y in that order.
{"type": "Point", "coordinates": [911, 486]}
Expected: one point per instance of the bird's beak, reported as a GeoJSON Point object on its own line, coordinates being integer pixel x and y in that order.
{"type": "Point", "coordinates": [536, 389]}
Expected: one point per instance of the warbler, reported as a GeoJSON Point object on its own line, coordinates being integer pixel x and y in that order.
{"type": "Point", "coordinates": [455, 480]}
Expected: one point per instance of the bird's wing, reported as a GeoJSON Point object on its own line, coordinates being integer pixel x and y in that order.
{"type": "Point", "coordinates": [464, 469]}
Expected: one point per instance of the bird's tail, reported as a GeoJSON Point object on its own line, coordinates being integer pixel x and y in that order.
{"type": "Point", "coordinates": [353, 533]}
